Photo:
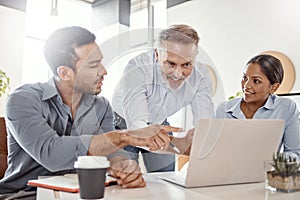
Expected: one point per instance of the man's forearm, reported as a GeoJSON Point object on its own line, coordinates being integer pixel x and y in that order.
{"type": "Point", "coordinates": [108, 143]}
{"type": "Point", "coordinates": [155, 137]}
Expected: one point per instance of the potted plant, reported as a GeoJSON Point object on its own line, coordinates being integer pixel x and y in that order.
{"type": "Point", "coordinates": [285, 174]}
{"type": "Point", "coordinates": [4, 82]}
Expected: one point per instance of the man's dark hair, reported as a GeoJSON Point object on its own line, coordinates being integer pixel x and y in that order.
{"type": "Point", "coordinates": [59, 47]}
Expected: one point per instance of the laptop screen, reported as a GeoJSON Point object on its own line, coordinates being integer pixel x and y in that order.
{"type": "Point", "coordinates": [230, 151]}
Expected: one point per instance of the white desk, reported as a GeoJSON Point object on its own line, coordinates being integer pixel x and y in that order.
{"type": "Point", "coordinates": [159, 189]}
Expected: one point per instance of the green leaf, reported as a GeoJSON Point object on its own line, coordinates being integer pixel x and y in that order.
{"type": "Point", "coordinates": [4, 83]}
{"type": "Point", "coordinates": [238, 94]}
{"type": "Point", "coordinates": [285, 164]}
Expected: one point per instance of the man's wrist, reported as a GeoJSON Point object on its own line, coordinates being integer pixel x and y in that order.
{"type": "Point", "coordinates": [125, 137]}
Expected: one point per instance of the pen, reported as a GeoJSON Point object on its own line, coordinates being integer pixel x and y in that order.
{"type": "Point", "coordinates": [174, 147]}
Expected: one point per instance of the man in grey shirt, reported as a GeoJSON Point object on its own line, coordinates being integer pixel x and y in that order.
{"type": "Point", "coordinates": [50, 124]}
{"type": "Point", "coordinates": [158, 83]}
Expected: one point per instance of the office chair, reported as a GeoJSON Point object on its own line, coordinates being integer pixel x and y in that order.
{"type": "Point", "coordinates": [3, 147]}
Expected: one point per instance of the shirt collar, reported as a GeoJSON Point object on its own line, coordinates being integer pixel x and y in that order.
{"type": "Point", "coordinates": [51, 91]}
{"type": "Point", "coordinates": [88, 99]}
{"type": "Point", "coordinates": [235, 109]}
{"type": "Point", "coordinates": [270, 102]}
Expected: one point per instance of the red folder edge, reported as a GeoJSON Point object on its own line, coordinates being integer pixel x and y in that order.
{"type": "Point", "coordinates": [73, 190]}
{"type": "Point", "coordinates": [65, 189]}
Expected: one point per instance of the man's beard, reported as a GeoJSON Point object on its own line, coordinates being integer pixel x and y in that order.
{"type": "Point", "coordinates": [184, 78]}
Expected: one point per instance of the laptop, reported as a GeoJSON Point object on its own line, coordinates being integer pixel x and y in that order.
{"type": "Point", "coordinates": [229, 151]}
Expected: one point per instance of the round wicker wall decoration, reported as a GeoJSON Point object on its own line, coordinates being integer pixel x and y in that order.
{"type": "Point", "coordinates": [289, 72]}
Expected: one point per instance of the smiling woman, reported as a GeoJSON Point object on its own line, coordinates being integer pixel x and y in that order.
{"type": "Point", "coordinates": [262, 76]}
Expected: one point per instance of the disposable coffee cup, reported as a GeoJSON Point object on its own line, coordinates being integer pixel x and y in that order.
{"type": "Point", "coordinates": [91, 176]}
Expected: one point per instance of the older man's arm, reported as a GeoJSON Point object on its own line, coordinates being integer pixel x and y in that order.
{"type": "Point", "coordinates": [155, 137]}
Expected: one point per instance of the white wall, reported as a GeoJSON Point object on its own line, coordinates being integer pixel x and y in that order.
{"type": "Point", "coordinates": [12, 23]}
{"type": "Point", "coordinates": [232, 31]}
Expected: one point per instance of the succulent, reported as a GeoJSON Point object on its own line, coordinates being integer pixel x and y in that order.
{"type": "Point", "coordinates": [286, 164]}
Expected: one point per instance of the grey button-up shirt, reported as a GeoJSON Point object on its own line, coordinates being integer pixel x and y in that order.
{"type": "Point", "coordinates": [38, 142]}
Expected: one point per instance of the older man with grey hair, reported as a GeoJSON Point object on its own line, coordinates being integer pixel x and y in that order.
{"type": "Point", "coordinates": [158, 83]}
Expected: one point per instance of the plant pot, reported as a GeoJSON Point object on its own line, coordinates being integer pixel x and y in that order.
{"type": "Point", "coordinates": [286, 184]}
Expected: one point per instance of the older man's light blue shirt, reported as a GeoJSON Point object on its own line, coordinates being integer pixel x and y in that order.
{"type": "Point", "coordinates": [274, 108]}
{"type": "Point", "coordinates": [143, 95]}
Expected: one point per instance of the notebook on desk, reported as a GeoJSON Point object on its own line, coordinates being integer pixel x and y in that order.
{"type": "Point", "coordinates": [229, 151]}
{"type": "Point", "coordinates": [66, 183]}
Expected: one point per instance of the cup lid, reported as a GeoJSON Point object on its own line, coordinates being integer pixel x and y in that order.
{"type": "Point", "coordinates": [90, 162]}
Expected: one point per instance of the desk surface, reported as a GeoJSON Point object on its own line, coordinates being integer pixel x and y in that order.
{"type": "Point", "coordinates": [160, 189]}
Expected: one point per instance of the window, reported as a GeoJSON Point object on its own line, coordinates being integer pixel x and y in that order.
{"type": "Point", "coordinates": [39, 24]}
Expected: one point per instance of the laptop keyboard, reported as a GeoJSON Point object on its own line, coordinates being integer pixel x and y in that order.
{"type": "Point", "coordinates": [177, 177]}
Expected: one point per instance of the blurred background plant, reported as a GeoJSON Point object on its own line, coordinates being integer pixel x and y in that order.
{"type": "Point", "coordinates": [4, 83]}
{"type": "Point", "coordinates": [238, 94]}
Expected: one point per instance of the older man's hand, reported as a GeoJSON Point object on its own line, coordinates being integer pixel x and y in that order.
{"type": "Point", "coordinates": [184, 144]}
{"type": "Point", "coordinates": [154, 136]}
